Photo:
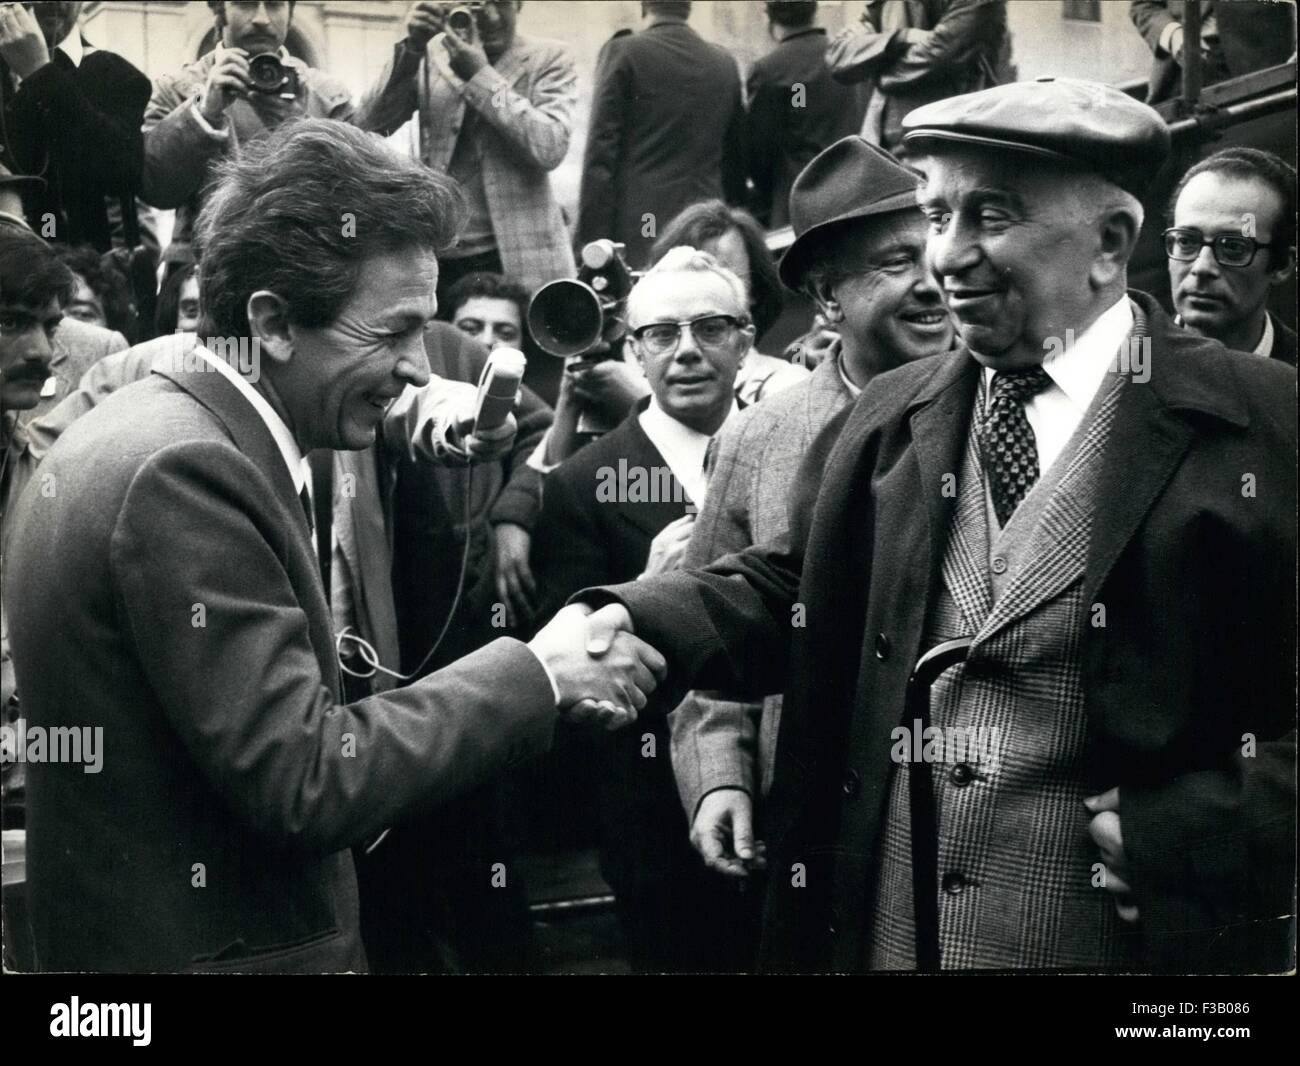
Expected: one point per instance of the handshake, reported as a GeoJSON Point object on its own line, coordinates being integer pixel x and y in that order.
{"type": "Point", "coordinates": [603, 672]}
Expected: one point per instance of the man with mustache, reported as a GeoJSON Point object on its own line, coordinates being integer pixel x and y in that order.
{"type": "Point", "coordinates": [1231, 240]}
{"type": "Point", "coordinates": [209, 109]}
{"type": "Point", "coordinates": [1085, 522]}
{"type": "Point", "coordinates": [859, 252]}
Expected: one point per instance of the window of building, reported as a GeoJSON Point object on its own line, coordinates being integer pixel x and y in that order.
{"type": "Point", "coordinates": [1082, 10]}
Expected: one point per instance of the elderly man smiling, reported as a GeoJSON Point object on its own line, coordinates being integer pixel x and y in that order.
{"type": "Point", "coordinates": [166, 590]}
{"type": "Point", "coordinates": [1119, 554]}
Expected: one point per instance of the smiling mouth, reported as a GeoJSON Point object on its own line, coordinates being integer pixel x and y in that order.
{"type": "Point", "coordinates": [924, 318]}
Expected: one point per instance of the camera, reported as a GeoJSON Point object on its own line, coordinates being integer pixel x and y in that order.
{"type": "Point", "coordinates": [271, 77]}
{"type": "Point", "coordinates": [569, 317]}
{"type": "Point", "coordinates": [463, 21]}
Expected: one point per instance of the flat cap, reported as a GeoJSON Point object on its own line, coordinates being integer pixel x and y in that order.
{"type": "Point", "coordinates": [851, 179]}
{"type": "Point", "coordinates": [1073, 122]}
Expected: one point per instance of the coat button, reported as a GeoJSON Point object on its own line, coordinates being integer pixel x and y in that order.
{"type": "Point", "coordinates": [999, 565]}
{"type": "Point", "coordinates": [954, 883]}
{"type": "Point", "coordinates": [852, 782]}
{"type": "Point", "coordinates": [882, 647]}
{"type": "Point", "coordinates": [961, 775]}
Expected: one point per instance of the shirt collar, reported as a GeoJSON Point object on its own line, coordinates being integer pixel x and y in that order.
{"type": "Point", "coordinates": [666, 427]}
{"type": "Point", "coordinates": [72, 47]}
{"type": "Point", "coordinates": [854, 390]}
{"type": "Point", "coordinates": [1265, 345]}
{"type": "Point", "coordinates": [1078, 370]}
{"type": "Point", "coordinates": [293, 458]}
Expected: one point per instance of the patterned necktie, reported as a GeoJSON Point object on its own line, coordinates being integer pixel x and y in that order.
{"type": "Point", "coordinates": [1007, 446]}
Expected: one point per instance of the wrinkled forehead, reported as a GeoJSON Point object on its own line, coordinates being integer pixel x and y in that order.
{"type": "Point", "coordinates": [957, 174]}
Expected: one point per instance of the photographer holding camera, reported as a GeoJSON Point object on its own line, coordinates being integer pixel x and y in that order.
{"type": "Point", "coordinates": [495, 113]}
{"type": "Point", "coordinates": [241, 90]}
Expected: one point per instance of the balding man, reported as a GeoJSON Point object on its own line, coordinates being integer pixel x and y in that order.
{"type": "Point", "coordinates": [624, 507]}
{"type": "Point", "coordinates": [1095, 511]}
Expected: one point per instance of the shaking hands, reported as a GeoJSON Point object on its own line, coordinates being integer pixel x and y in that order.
{"type": "Point", "coordinates": [604, 673]}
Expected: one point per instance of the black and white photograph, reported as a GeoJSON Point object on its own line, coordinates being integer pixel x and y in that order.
{"type": "Point", "coordinates": [648, 488]}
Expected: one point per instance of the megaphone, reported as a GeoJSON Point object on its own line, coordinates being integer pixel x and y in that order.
{"type": "Point", "coordinates": [569, 317]}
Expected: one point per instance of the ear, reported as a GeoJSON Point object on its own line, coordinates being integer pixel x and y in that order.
{"type": "Point", "coordinates": [1279, 274]}
{"type": "Point", "coordinates": [823, 295]}
{"type": "Point", "coordinates": [1119, 233]}
{"type": "Point", "coordinates": [268, 323]}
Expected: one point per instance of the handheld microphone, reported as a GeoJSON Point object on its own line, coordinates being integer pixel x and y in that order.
{"type": "Point", "coordinates": [498, 388]}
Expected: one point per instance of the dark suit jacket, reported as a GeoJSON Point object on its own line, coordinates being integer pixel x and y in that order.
{"type": "Point", "coordinates": [583, 538]}
{"type": "Point", "coordinates": [1194, 562]}
{"type": "Point", "coordinates": [79, 128]}
{"type": "Point", "coordinates": [667, 130]}
{"type": "Point", "coordinates": [167, 592]}
{"type": "Point", "coordinates": [1284, 341]}
{"type": "Point", "coordinates": [784, 134]}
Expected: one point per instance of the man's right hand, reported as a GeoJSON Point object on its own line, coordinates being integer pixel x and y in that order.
{"type": "Point", "coordinates": [603, 672]}
{"type": "Point", "coordinates": [423, 21]}
{"type": "Point", "coordinates": [228, 80]}
{"type": "Point", "coordinates": [669, 545]}
{"type": "Point", "coordinates": [723, 833]}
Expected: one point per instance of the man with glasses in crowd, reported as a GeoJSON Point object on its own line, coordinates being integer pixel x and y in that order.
{"type": "Point", "coordinates": [621, 508]}
{"type": "Point", "coordinates": [1232, 240]}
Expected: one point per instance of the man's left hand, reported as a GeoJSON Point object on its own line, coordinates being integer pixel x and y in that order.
{"type": "Point", "coordinates": [467, 58]}
{"type": "Point", "coordinates": [22, 45]}
{"type": "Point", "coordinates": [1106, 834]}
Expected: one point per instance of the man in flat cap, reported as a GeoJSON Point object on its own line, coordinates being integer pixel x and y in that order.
{"type": "Point", "coordinates": [1095, 511]}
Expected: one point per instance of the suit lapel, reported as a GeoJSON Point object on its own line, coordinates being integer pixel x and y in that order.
{"type": "Point", "coordinates": [652, 515]}
{"type": "Point", "coordinates": [1150, 436]}
{"type": "Point", "coordinates": [940, 418]}
{"type": "Point", "coordinates": [1057, 549]}
{"type": "Point", "coordinates": [252, 437]}
{"type": "Point", "coordinates": [965, 560]}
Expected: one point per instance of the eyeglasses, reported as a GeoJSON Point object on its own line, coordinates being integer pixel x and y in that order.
{"type": "Point", "coordinates": [709, 331]}
{"type": "Point", "coordinates": [1228, 249]}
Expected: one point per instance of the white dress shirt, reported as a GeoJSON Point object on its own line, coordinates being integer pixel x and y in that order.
{"type": "Point", "coordinates": [1265, 345]}
{"type": "Point", "coordinates": [1077, 373]}
{"type": "Point", "coordinates": [683, 448]}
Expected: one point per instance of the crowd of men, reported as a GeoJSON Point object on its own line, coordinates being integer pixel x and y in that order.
{"type": "Point", "coordinates": [957, 634]}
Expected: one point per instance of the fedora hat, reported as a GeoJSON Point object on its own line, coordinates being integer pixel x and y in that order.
{"type": "Point", "coordinates": [851, 179]}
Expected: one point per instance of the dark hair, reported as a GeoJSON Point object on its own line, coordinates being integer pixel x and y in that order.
{"type": "Point", "coordinates": [30, 273]}
{"type": "Point", "coordinates": [673, 8]}
{"type": "Point", "coordinates": [105, 281]}
{"type": "Point", "coordinates": [488, 286]}
{"type": "Point", "coordinates": [792, 13]}
{"type": "Point", "coordinates": [299, 210]}
{"type": "Point", "coordinates": [219, 9]}
{"type": "Point", "coordinates": [1265, 167]}
{"type": "Point", "coordinates": [168, 311]}
{"type": "Point", "coordinates": [711, 219]}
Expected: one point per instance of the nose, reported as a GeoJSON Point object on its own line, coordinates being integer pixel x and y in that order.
{"type": "Point", "coordinates": [925, 284]}
{"type": "Point", "coordinates": [413, 365]}
{"type": "Point", "coordinates": [1204, 263]}
{"type": "Point", "coordinates": [952, 252]}
{"type": "Point", "coordinates": [688, 351]}
{"type": "Point", "coordinates": [261, 17]}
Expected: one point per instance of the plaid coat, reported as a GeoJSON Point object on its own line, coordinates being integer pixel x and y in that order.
{"type": "Point", "coordinates": [526, 100]}
{"type": "Point", "coordinates": [1192, 553]}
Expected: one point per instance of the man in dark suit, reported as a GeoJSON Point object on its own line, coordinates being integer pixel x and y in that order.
{"type": "Point", "coordinates": [795, 107]}
{"type": "Point", "coordinates": [167, 598]}
{"type": "Point", "coordinates": [1236, 37]}
{"type": "Point", "coordinates": [1231, 241]}
{"type": "Point", "coordinates": [621, 508]}
{"type": "Point", "coordinates": [667, 130]}
{"type": "Point", "coordinates": [1103, 505]}
{"type": "Point", "coordinates": [71, 113]}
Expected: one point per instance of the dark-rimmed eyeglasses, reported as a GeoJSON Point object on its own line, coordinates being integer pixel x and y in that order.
{"type": "Point", "coordinates": [709, 331]}
{"type": "Point", "coordinates": [1228, 249]}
